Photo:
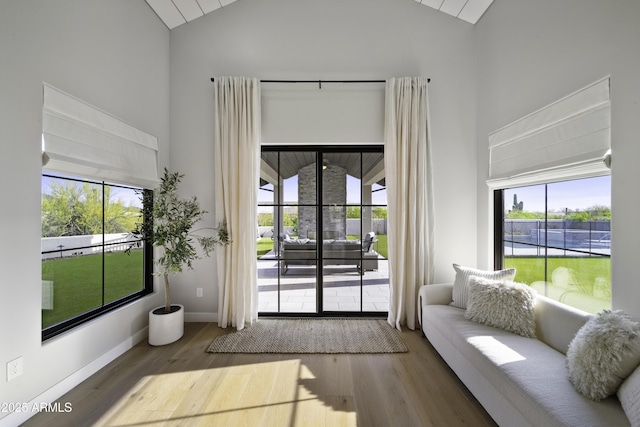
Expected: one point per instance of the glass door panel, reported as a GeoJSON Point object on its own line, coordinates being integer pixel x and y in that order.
{"type": "Point", "coordinates": [346, 188]}
{"type": "Point", "coordinates": [287, 257]}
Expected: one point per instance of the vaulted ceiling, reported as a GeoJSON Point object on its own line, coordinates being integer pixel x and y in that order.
{"type": "Point", "coordinates": [177, 12]}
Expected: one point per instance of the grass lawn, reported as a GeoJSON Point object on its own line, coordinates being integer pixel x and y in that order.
{"type": "Point", "coordinates": [265, 244]}
{"type": "Point", "coordinates": [590, 276]}
{"type": "Point", "coordinates": [77, 282]}
{"type": "Point", "coordinates": [585, 269]}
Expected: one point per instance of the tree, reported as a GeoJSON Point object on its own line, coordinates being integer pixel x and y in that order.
{"type": "Point", "coordinates": [74, 209]}
{"type": "Point", "coordinates": [592, 213]}
{"type": "Point", "coordinates": [265, 219]}
{"type": "Point", "coordinates": [353, 212]}
{"type": "Point", "coordinates": [172, 229]}
{"type": "Point", "coordinates": [379, 213]}
{"type": "Point", "coordinates": [62, 210]}
{"type": "Point", "coordinates": [523, 215]}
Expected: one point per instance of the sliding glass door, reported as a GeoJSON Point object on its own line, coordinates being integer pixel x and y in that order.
{"type": "Point", "coordinates": [322, 231]}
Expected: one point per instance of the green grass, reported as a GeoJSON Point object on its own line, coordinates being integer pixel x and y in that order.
{"type": "Point", "coordinates": [77, 282]}
{"type": "Point", "coordinates": [590, 276]}
{"type": "Point", "coordinates": [585, 269]}
{"type": "Point", "coordinates": [265, 244]}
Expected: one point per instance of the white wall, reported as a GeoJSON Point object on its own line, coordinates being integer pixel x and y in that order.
{"type": "Point", "coordinates": [331, 39]}
{"type": "Point", "coordinates": [533, 53]}
{"type": "Point", "coordinates": [115, 55]}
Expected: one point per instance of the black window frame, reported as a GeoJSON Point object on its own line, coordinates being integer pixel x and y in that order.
{"type": "Point", "coordinates": [320, 151]}
{"type": "Point", "coordinates": [75, 321]}
{"type": "Point", "coordinates": [499, 231]}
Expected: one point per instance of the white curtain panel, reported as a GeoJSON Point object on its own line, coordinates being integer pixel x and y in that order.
{"type": "Point", "coordinates": [237, 161]}
{"type": "Point", "coordinates": [410, 197]}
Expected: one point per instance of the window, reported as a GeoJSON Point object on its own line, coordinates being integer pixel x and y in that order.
{"type": "Point", "coordinates": [85, 270]}
{"type": "Point", "coordinates": [558, 237]}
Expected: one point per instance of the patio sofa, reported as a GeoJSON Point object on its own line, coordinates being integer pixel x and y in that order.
{"type": "Point", "coordinates": [520, 381]}
{"type": "Point", "coordinates": [335, 252]}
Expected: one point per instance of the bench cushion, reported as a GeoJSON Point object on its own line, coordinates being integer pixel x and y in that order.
{"type": "Point", "coordinates": [531, 375]}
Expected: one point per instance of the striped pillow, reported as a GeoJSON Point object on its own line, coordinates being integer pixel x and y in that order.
{"type": "Point", "coordinates": [461, 284]}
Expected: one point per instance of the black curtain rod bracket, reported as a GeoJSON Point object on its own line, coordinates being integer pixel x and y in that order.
{"type": "Point", "coordinates": [321, 81]}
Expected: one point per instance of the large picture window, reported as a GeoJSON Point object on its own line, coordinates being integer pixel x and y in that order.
{"type": "Point", "coordinates": [85, 232]}
{"type": "Point", "coordinates": [558, 237]}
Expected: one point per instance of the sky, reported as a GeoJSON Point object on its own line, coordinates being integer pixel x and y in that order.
{"type": "Point", "coordinates": [572, 195]}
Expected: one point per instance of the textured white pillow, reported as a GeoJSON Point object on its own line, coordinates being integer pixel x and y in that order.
{"type": "Point", "coordinates": [461, 283]}
{"type": "Point", "coordinates": [506, 305]}
{"type": "Point", "coordinates": [603, 353]}
{"type": "Point", "coordinates": [629, 395]}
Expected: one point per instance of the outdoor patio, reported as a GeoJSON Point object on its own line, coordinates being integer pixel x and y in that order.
{"type": "Point", "coordinates": [341, 293]}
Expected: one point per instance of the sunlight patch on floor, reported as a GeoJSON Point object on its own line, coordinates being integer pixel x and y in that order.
{"type": "Point", "coordinates": [278, 393]}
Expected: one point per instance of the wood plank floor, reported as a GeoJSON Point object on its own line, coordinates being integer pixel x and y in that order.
{"type": "Point", "coordinates": [182, 385]}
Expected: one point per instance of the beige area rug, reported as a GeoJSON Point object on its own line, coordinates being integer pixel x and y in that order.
{"type": "Point", "coordinates": [311, 336]}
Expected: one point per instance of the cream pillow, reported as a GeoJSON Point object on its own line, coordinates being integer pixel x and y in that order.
{"type": "Point", "coordinates": [506, 305]}
{"type": "Point", "coordinates": [603, 353]}
{"type": "Point", "coordinates": [461, 283]}
{"type": "Point", "coordinates": [629, 395]}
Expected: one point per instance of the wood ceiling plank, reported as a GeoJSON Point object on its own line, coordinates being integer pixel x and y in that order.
{"type": "Point", "coordinates": [190, 9]}
{"type": "Point", "coordinates": [168, 12]}
{"type": "Point", "coordinates": [474, 9]}
{"type": "Point", "coordinates": [209, 5]}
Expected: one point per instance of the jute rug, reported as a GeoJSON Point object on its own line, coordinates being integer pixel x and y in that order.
{"type": "Point", "coordinates": [311, 336]}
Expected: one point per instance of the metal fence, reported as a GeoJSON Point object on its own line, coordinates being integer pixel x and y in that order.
{"type": "Point", "coordinates": [557, 237]}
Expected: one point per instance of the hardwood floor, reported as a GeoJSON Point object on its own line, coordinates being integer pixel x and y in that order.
{"type": "Point", "coordinates": [181, 384]}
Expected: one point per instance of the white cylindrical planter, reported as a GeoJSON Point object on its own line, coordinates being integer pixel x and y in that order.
{"type": "Point", "coordinates": [166, 328]}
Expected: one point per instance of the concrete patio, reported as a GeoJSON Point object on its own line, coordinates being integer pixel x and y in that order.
{"type": "Point", "coordinates": [342, 290]}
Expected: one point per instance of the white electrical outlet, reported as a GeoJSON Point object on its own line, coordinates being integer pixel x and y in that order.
{"type": "Point", "coordinates": [199, 292]}
{"type": "Point", "coordinates": [15, 368]}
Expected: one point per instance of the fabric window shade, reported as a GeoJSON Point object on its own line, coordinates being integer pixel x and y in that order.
{"type": "Point", "coordinates": [564, 140]}
{"type": "Point", "coordinates": [81, 140]}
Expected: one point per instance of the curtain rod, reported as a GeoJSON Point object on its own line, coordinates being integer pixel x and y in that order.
{"type": "Point", "coordinates": [322, 81]}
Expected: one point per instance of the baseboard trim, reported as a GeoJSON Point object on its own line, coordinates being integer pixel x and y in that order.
{"type": "Point", "coordinates": [67, 384]}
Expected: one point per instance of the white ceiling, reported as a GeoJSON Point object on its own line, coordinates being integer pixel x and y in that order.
{"type": "Point", "coordinates": [178, 12]}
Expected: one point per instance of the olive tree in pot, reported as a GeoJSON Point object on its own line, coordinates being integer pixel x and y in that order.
{"type": "Point", "coordinates": [171, 228]}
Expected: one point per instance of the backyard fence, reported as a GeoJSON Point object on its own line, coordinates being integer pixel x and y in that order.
{"type": "Point", "coordinates": [523, 236]}
{"type": "Point", "coordinates": [68, 246]}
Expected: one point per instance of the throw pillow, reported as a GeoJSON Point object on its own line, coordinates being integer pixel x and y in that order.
{"type": "Point", "coordinates": [603, 353]}
{"type": "Point", "coordinates": [461, 283]}
{"type": "Point", "coordinates": [629, 395]}
{"type": "Point", "coordinates": [506, 305]}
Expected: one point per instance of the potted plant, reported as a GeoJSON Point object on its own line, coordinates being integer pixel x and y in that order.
{"type": "Point", "coordinates": [171, 228]}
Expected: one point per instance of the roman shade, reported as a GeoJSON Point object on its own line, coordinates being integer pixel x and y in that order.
{"type": "Point", "coordinates": [80, 140]}
{"type": "Point", "coordinates": [564, 140]}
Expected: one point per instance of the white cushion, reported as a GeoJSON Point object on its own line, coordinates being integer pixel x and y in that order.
{"type": "Point", "coordinates": [603, 353]}
{"type": "Point", "coordinates": [506, 305]}
{"type": "Point", "coordinates": [531, 375]}
{"type": "Point", "coordinates": [461, 283]}
{"type": "Point", "coordinates": [629, 395]}
{"type": "Point", "coordinates": [557, 324]}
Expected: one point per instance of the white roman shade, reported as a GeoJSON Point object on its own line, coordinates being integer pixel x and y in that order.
{"type": "Point", "coordinates": [81, 140]}
{"type": "Point", "coordinates": [336, 113]}
{"type": "Point", "coordinates": [565, 140]}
